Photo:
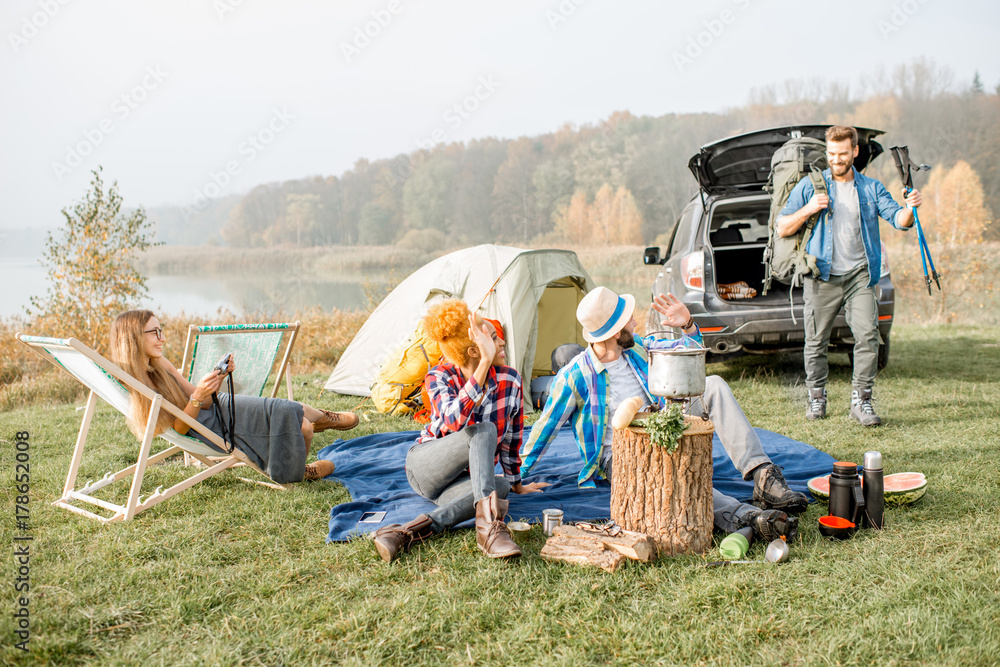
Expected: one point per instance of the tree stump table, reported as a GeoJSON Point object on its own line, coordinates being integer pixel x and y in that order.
{"type": "Point", "coordinates": [666, 496]}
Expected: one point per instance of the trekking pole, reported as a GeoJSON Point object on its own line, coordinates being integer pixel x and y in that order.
{"type": "Point", "coordinates": [901, 156]}
{"type": "Point", "coordinates": [925, 252]}
{"type": "Point", "coordinates": [923, 240]}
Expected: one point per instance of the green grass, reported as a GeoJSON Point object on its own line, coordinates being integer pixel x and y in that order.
{"type": "Point", "coordinates": [233, 573]}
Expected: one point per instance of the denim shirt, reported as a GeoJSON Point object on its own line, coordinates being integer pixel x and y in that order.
{"type": "Point", "coordinates": [875, 201]}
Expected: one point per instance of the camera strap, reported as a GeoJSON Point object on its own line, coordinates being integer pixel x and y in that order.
{"type": "Point", "coordinates": [228, 431]}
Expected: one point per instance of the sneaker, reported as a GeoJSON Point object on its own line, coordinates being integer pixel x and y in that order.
{"type": "Point", "coordinates": [862, 409]}
{"type": "Point", "coordinates": [816, 408]}
{"type": "Point", "coordinates": [770, 491]}
{"type": "Point", "coordinates": [769, 525]}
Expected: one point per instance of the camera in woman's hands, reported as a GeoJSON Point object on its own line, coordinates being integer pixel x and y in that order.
{"type": "Point", "coordinates": [223, 365]}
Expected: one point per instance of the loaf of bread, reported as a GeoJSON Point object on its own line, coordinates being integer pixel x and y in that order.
{"type": "Point", "coordinates": [626, 412]}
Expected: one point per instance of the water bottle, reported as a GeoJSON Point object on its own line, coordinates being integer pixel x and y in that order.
{"type": "Point", "coordinates": [735, 545]}
{"type": "Point", "coordinates": [874, 488]}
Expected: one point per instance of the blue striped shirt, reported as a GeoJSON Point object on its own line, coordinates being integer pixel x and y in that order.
{"type": "Point", "coordinates": [579, 393]}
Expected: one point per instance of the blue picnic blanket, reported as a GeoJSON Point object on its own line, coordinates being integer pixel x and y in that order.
{"type": "Point", "coordinates": [371, 467]}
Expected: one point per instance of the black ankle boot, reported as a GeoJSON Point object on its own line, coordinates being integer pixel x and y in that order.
{"type": "Point", "coordinates": [771, 524]}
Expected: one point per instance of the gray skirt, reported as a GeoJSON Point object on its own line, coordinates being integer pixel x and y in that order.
{"type": "Point", "coordinates": [268, 431]}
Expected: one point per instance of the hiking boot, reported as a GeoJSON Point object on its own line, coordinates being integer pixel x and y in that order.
{"type": "Point", "coordinates": [492, 535]}
{"type": "Point", "coordinates": [816, 408]}
{"type": "Point", "coordinates": [340, 421]}
{"type": "Point", "coordinates": [392, 539]}
{"type": "Point", "coordinates": [769, 525]}
{"type": "Point", "coordinates": [318, 470]}
{"type": "Point", "coordinates": [770, 491]}
{"type": "Point", "coordinates": [862, 409]}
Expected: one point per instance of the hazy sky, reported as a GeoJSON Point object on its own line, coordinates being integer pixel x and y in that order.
{"type": "Point", "coordinates": [167, 95]}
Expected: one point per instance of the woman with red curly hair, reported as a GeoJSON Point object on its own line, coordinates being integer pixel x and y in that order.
{"type": "Point", "coordinates": [476, 421]}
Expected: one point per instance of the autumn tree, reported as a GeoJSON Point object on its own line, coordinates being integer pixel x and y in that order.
{"type": "Point", "coordinates": [954, 206]}
{"type": "Point", "coordinates": [90, 274]}
{"type": "Point", "coordinates": [573, 219]}
{"type": "Point", "coordinates": [954, 218]}
{"type": "Point", "coordinates": [611, 219]}
{"type": "Point", "coordinates": [427, 195]}
{"type": "Point", "coordinates": [302, 216]}
{"type": "Point", "coordinates": [554, 185]}
{"type": "Point", "coordinates": [515, 213]}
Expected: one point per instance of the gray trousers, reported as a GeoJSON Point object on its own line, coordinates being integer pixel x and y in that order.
{"type": "Point", "coordinates": [823, 299]}
{"type": "Point", "coordinates": [740, 441]}
{"type": "Point", "coordinates": [455, 472]}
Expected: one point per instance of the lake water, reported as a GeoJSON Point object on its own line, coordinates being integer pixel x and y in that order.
{"type": "Point", "coordinates": [266, 292]}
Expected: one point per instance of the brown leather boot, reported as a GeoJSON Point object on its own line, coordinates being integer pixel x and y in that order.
{"type": "Point", "coordinates": [492, 534]}
{"type": "Point", "coordinates": [341, 421]}
{"type": "Point", "coordinates": [391, 539]}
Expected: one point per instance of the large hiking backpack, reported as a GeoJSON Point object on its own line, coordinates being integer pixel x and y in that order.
{"type": "Point", "coordinates": [785, 258]}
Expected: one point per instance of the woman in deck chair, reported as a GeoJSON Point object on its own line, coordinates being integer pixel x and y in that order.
{"type": "Point", "coordinates": [476, 420]}
{"type": "Point", "coordinates": [262, 424]}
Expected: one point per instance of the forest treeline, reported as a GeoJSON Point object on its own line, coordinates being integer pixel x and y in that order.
{"type": "Point", "coordinates": [623, 180]}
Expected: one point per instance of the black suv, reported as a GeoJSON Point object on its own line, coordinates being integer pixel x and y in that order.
{"type": "Point", "coordinates": [719, 242]}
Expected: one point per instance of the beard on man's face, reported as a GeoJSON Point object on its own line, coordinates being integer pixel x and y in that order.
{"type": "Point", "coordinates": [625, 339]}
{"type": "Point", "coordinates": [840, 169]}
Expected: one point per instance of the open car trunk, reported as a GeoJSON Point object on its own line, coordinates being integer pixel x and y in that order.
{"type": "Point", "coordinates": [737, 237]}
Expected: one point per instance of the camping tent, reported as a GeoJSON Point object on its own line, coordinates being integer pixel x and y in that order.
{"type": "Point", "coordinates": [534, 294]}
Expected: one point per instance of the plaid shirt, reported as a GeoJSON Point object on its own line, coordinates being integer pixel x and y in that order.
{"type": "Point", "coordinates": [453, 407]}
{"type": "Point", "coordinates": [579, 393]}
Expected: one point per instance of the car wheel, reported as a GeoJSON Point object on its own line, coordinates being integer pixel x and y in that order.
{"type": "Point", "coordinates": [883, 354]}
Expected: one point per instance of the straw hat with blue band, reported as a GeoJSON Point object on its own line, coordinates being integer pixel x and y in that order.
{"type": "Point", "coordinates": [603, 314]}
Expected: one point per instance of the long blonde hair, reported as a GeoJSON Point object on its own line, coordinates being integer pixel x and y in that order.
{"type": "Point", "coordinates": [128, 351]}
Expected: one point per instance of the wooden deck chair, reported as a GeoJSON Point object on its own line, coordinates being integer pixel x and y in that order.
{"type": "Point", "coordinates": [254, 346]}
{"type": "Point", "coordinates": [109, 382]}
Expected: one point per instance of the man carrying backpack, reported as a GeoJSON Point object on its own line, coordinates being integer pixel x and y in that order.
{"type": "Point", "coordinates": [845, 243]}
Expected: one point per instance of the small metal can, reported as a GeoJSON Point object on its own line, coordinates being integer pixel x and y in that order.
{"type": "Point", "coordinates": [550, 519]}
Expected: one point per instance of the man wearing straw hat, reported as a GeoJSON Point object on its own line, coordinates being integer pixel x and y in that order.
{"type": "Point", "coordinates": [589, 389]}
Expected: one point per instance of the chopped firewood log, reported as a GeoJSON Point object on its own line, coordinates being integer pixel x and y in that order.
{"type": "Point", "coordinates": [581, 552]}
{"type": "Point", "coordinates": [637, 546]}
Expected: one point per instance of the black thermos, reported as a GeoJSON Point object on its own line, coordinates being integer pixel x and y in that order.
{"type": "Point", "coordinates": [874, 488]}
{"type": "Point", "coordinates": [846, 498]}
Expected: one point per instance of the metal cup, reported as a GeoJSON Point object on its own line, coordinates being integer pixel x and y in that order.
{"type": "Point", "coordinates": [550, 519]}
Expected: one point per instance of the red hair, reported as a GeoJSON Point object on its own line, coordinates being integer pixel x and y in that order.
{"type": "Point", "coordinates": [447, 324]}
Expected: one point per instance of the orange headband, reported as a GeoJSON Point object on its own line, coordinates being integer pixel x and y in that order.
{"type": "Point", "coordinates": [496, 325]}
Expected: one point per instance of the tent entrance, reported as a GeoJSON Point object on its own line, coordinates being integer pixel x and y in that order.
{"type": "Point", "coordinates": [557, 323]}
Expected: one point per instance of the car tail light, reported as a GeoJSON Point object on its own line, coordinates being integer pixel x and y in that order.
{"type": "Point", "coordinates": [884, 265]}
{"type": "Point", "coordinates": [693, 271]}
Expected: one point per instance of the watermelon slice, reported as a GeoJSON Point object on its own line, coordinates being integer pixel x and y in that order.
{"type": "Point", "coordinates": [901, 488]}
{"type": "Point", "coordinates": [904, 488]}
{"type": "Point", "coordinates": [819, 487]}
